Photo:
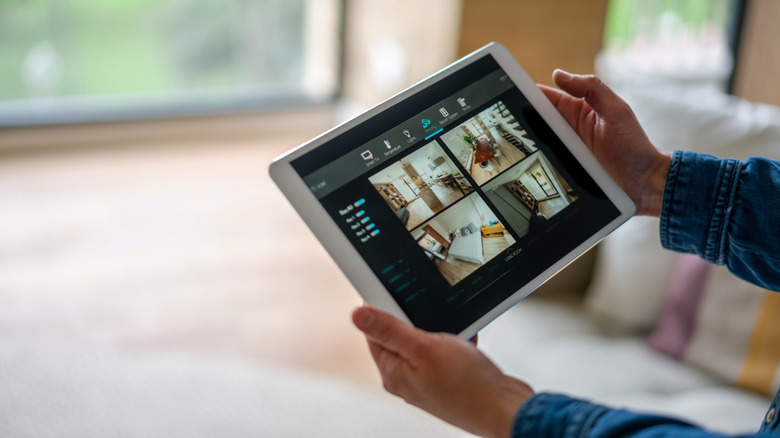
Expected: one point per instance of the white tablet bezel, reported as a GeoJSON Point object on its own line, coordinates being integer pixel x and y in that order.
{"type": "Point", "coordinates": [352, 263]}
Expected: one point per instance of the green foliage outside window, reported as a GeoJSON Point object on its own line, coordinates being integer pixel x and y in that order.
{"type": "Point", "coordinates": [77, 48]}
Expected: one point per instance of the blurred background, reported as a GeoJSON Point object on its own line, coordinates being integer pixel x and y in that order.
{"type": "Point", "coordinates": [152, 279]}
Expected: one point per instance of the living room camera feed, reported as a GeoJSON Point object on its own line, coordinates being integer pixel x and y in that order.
{"type": "Point", "coordinates": [489, 143]}
{"type": "Point", "coordinates": [463, 238]}
{"type": "Point", "coordinates": [421, 185]}
{"type": "Point", "coordinates": [529, 194]}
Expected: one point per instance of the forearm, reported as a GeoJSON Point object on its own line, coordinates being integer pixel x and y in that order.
{"type": "Point", "coordinates": [727, 212]}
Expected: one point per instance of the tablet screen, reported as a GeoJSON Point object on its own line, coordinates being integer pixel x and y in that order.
{"type": "Point", "coordinates": [457, 196]}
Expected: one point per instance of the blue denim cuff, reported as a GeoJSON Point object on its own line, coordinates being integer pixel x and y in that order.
{"type": "Point", "coordinates": [771, 423]}
{"type": "Point", "coordinates": [697, 202]}
{"type": "Point", "coordinates": [555, 415]}
{"type": "Point", "coordinates": [551, 415]}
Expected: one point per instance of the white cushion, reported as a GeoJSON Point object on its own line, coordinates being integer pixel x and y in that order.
{"type": "Point", "coordinates": [632, 270]}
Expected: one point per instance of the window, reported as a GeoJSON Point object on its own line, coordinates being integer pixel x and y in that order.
{"type": "Point", "coordinates": [680, 40]}
{"type": "Point", "coordinates": [84, 60]}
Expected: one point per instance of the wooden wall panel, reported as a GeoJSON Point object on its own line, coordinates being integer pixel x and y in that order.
{"type": "Point", "coordinates": [758, 62]}
{"type": "Point", "coordinates": [542, 34]}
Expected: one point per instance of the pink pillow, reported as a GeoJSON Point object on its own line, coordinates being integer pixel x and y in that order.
{"type": "Point", "coordinates": [676, 322]}
{"type": "Point", "coordinates": [717, 322]}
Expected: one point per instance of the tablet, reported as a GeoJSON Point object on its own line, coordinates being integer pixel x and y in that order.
{"type": "Point", "coordinates": [450, 202]}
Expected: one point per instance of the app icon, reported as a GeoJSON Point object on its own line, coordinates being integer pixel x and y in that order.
{"type": "Point", "coordinates": [462, 102]}
{"type": "Point", "coordinates": [387, 143]}
{"type": "Point", "coordinates": [443, 112]}
{"type": "Point", "coordinates": [426, 123]}
{"type": "Point", "coordinates": [367, 155]}
{"type": "Point", "coordinates": [407, 133]}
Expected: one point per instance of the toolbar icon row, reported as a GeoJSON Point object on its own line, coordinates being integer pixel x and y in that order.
{"type": "Point", "coordinates": [426, 123]}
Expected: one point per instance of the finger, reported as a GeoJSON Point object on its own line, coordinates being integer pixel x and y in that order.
{"type": "Point", "coordinates": [388, 331]}
{"type": "Point", "coordinates": [555, 95]}
{"type": "Point", "coordinates": [571, 108]}
{"type": "Point", "coordinates": [589, 87]}
{"type": "Point", "coordinates": [391, 366]}
{"type": "Point", "coordinates": [383, 357]}
{"type": "Point", "coordinates": [474, 339]}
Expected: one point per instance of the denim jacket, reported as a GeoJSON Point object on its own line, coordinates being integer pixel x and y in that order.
{"type": "Point", "coordinates": [726, 211]}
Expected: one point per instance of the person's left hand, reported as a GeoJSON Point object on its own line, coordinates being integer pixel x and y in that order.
{"type": "Point", "coordinates": [442, 374]}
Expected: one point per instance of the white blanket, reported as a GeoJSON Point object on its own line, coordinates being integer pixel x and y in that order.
{"type": "Point", "coordinates": [51, 390]}
{"type": "Point", "coordinates": [468, 248]}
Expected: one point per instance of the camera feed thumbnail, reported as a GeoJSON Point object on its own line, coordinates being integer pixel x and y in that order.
{"type": "Point", "coordinates": [421, 185]}
{"type": "Point", "coordinates": [529, 193]}
{"type": "Point", "coordinates": [489, 143]}
{"type": "Point", "coordinates": [463, 238]}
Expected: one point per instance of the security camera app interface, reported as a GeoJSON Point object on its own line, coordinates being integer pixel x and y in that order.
{"type": "Point", "coordinates": [457, 196]}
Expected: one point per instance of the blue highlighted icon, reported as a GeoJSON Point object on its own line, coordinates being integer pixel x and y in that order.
{"type": "Point", "coordinates": [365, 219]}
{"type": "Point", "coordinates": [370, 226]}
{"type": "Point", "coordinates": [440, 130]}
{"type": "Point", "coordinates": [360, 213]}
{"type": "Point", "coordinates": [374, 233]}
{"type": "Point", "coordinates": [426, 123]}
{"type": "Point", "coordinates": [360, 202]}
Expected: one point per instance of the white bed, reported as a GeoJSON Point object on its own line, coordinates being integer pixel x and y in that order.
{"type": "Point", "coordinates": [467, 248]}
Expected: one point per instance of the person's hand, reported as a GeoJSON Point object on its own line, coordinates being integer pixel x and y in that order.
{"type": "Point", "coordinates": [442, 374]}
{"type": "Point", "coordinates": [608, 126]}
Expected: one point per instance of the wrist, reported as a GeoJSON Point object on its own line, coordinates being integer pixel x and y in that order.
{"type": "Point", "coordinates": [513, 396]}
{"type": "Point", "coordinates": [651, 198]}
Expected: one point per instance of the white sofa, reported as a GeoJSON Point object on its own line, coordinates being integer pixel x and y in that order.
{"type": "Point", "coordinates": [562, 349]}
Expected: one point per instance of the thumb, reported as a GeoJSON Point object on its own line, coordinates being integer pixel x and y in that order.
{"type": "Point", "coordinates": [389, 331]}
{"type": "Point", "coordinates": [589, 87]}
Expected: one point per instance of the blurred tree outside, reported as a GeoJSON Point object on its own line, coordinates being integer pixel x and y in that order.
{"type": "Point", "coordinates": [632, 21]}
{"type": "Point", "coordinates": [673, 39]}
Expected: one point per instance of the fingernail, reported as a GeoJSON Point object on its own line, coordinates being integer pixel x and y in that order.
{"type": "Point", "coordinates": [363, 317]}
{"type": "Point", "coordinates": [563, 74]}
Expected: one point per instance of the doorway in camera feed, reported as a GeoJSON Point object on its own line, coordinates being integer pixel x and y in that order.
{"type": "Point", "coordinates": [529, 193]}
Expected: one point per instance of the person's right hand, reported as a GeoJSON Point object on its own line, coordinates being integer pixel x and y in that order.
{"type": "Point", "coordinates": [608, 126]}
{"type": "Point", "coordinates": [442, 374]}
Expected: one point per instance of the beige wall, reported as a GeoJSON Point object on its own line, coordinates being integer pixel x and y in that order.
{"type": "Point", "coordinates": [542, 34]}
{"type": "Point", "coordinates": [392, 44]}
{"type": "Point", "coordinates": [759, 59]}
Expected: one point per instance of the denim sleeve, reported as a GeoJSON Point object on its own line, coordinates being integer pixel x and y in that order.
{"type": "Point", "coordinates": [551, 415]}
{"type": "Point", "coordinates": [726, 211]}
